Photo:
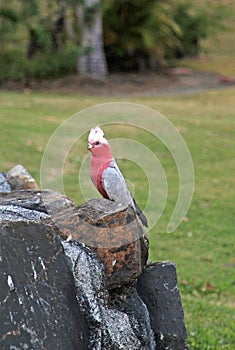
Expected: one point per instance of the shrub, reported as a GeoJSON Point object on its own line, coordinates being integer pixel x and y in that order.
{"type": "Point", "coordinates": [14, 66]}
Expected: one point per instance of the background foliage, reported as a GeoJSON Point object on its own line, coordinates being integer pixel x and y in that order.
{"type": "Point", "coordinates": [41, 39]}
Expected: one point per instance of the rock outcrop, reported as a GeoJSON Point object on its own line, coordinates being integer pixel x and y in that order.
{"type": "Point", "coordinates": [77, 277]}
{"type": "Point", "coordinates": [112, 232]}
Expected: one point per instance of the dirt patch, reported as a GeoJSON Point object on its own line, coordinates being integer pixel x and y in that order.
{"type": "Point", "coordinates": [178, 81]}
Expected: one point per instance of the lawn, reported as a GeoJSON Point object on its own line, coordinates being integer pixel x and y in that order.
{"type": "Point", "coordinates": [203, 245]}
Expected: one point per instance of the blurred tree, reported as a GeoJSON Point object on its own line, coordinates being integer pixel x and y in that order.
{"type": "Point", "coordinates": [65, 6]}
{"type": "Point", "coordinates": [138, 33]}
{"type": "Point", "coordinates": [43, 22]}
{"type": "Point", "coordinates": [8, 22]}
{"type": "Point", "coordinates": [92, 62]}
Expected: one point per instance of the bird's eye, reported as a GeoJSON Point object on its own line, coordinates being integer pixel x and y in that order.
{"type": "Point", "coordinates": [97, 143]}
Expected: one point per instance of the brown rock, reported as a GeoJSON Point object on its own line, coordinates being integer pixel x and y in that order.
{"type": "Point", "coordinates": [19, 179]}
{"type": "Point", "coordinates": [114, 233]}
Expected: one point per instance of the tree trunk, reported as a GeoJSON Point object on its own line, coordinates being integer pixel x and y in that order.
{"type": "Point", "coordinates": [92, 63]}
{"type": "Point", "coordinates": [67, 21]}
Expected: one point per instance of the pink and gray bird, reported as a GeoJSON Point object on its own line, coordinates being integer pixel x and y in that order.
{"type": "Point", "coordinates": [106, 175]}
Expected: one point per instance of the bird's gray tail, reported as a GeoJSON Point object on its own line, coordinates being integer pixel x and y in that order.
{"type": "Point", "coordinates": [140, 214]}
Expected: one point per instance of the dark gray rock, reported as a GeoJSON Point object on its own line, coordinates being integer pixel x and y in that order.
{"type": "Point", "coordinates": [48, 202]}
{"type": "Point", "coordinates": [38, 306]}
{"type": "Point", "coordinates": [158, 287]}
{"type": "Point", "coordinates": [116, 319]}
{"type": "Point", "coordinates": [127, 300]}
{"type": "Point", "coordinates": [4, 185]}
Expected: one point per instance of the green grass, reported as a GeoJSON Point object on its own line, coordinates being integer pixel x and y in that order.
{"type": "Point", "coordinates": [203, 246]}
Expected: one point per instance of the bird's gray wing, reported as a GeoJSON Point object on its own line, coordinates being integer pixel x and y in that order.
{"type": "Point", "coordinates": [116, 189]}
{"type": "Point", "coordinates": [115, 185]}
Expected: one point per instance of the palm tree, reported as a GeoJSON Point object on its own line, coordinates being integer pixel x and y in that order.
{"type": "Point", "coordinates": [92, 63]}
{"type": "Point", "coordinates": [139, 33]}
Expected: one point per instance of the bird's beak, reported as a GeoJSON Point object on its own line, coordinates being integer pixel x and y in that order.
{"type": "Point", "coordinates": [89, 146]}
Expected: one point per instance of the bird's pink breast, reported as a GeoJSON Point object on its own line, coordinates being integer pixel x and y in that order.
{"type": "Point", "coordinates": [100, 161]}
{"type": "Point", "coordinates": [96, 175]}
{"type": "Point", "coordinates": [100, 187]}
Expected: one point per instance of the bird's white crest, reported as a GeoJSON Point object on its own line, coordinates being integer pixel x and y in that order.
{"type": "Point", "coordinates": [96, 134]}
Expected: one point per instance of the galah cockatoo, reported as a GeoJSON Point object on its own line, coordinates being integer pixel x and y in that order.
{"type": "Point", "coordinates": [106, 175]}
